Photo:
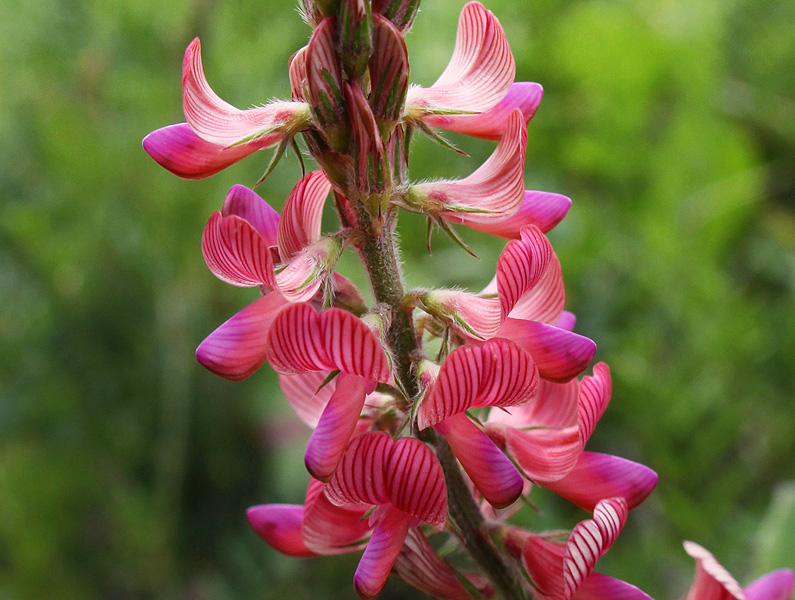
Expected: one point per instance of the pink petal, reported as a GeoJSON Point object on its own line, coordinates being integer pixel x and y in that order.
{"type": "Point", "coordinates": [468, 314]}
{"type": "Point", "coordinates": [544, 301]}
{"type": "Point", "coordinates": [236, 253]}
{"type": "Point", "coordinates": [494, 475]}
{"type": "Point", "coordinates": [491, 124]}
{"type": "Point", "coordinates": [566, 320]}
{"type": "Point", "coordinates": [305, 396]}
{"type": "Point", "coordinates": [776, 585]}
{"type": "Point", "coordinates": [297, 71]}
{"type": "Point", "coordinates": [360, 477]}
{"type": "Point", "coordinates": [595, 395]}
{"type": "Point", "coordinates": [245, 203]}
{"type": "Point", "coordinates": [543, 561]}
{"type": "Point", "coordinates": [712, 581]}
{"type": "Point", "coordinates": [602, 587]}
{"type": "Point", "coordinates": [380, 554]}
{"type": "Point", "coordinates": [597, 476]}
{"type": "Point", "coordinates": [237, 348]}
{"type": "Point", "coordinates": [335, 427]}
{"type": "Point", "coordinates": [521, 266]}
{"type": "Point", "coordinates": [542, 209]}
{"type": "Point", "coordinates": [303, 276]}
{"type": "Point", "coordinates": [185, 154]}
{"type": "Point", "coordinates": [420, 567]}
{"type": "Point", "coordinates": [559, 354]}
{"type": "Point", "coordinates": [299, 225]}
{"type": "Point", "coordinates": [279, 525]}
{"type": "Point", "coordinates": [544, 455]}
{"type": "Point", "coordinates": [479, 73]}
{"type": "Point", "coordinates": [222, 124]}
{"type": "Point", "coordinates": [555, 406]}
{"type": "Point", "coordinates": [498, 373]}
{"type": "Point", "coordinates": [324, 80]}
{"type": "Point", "coordinates": [416, 482]}
{"type": "Point", "coordinates": [389, 67]}
{"type": "Point", "coordinates": [330, 529]}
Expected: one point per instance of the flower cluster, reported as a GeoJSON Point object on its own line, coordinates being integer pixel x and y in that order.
{"type": "Point", "coordinates": [434, 410]}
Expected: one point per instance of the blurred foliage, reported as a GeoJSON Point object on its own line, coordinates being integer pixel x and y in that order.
{"type": "Point", "coordinates": [126, 469]}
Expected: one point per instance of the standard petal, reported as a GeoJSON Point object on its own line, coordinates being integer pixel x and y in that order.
{"type": "Point", "coordinates": [595, 392]}
{"type": "Point", "coordinates": [555, 406]}
{"type": "Point", "coordinates": [330, 529]}
{"type": "Point", "coordinates": [712, 580]}
{"type": "Point", "coordinates": [542, 209]}
{"type": "Point", "coordinates": [544, 301]}
{"type": "Point", "coordinates": [544, 455]}
{"type": "Point", "coordinates": [360, 477]}
{"type": "Point", "coordinates": [493, 474]}
{"type": "Point", "coordinates": [238, 347]}
{"type": "Point", "coordinates": [279, 525]}
{"type": "Point", "coordinates": [776, 585]}
{"type": "Point", "coordinates": [305, 396]}
{"type": "Point", "coordinates": [602, 587]}
{"type": "Point", "coordinates": [380, 554]}
{"type": "Point", "coordinates": [245, 203]}
{"type": "Point", "coordinates": [521, 266]}
{"type": "Point", "coordinates": [416, 482]}
{"type": "Point", "coordinates": [299, 225]}
{"type": "Point", "coordinates": [178, 149]}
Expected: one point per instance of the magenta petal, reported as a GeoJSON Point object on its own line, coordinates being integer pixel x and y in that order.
{"type": "Point", "coordinates": [559, 354]}
{"type": "Point", "coordinates": [595, 392]}
{"type": "Point", "coordinates": [602, 587]}
{"type": "Point", "coordinates": [712, 580]}
{"type": "Point", "coordinates": [597, 476]}
{"type": "Point", "coordinates": [305, 396]}
{"type": "Point", "coordinates": [329, 529]}
{"type": "Point", "coordinates": [335, 427]}
{"type": "Point", "coordinates": [280, 526]}
{"type": "Point", "coordinates": [776, 585]}
{"type": "Point", "coordinates": [566, 321]}
{"type": "Point", "coordinates": [416, 482]}
{"type": "Point", "coordinates": [361, 475]}
{"type": "Point", "coordinates": [299, 225]}
{"type": "Point", "coordinates": [542, 209]}
{"type": "Point", "coordinates": [520, 267]}
{"type": "Point", "coordinates": [380, 554]}
{"type": "Point", "coordinates": [493, 474]}
{"type": "Point", "coordinates": [246, 204]}
{"type": "Point", "coordinates": [237, 348]}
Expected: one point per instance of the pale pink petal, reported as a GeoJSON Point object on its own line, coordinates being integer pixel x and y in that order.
{"type": "Point", "coordinates": [490, 125]}
{"type": "Point", "coordinates": [542, 209]}
{"type": "Point", "coordinates": [178, 149]}
{"type": "Point", "coordinates": [245, 203]}
{"type": "Point", "coordinates": [480, 71]}
{"type": "Point", "coordinates": [330, 529]}
{"type": "Point", "coordinates": [712, 581]}
{"type": "Point", "coordinates": [493, 474]}
{"type": "Point", "coordinates": [335, 427]}
{"type": "Point", "coordinates": [776, 585]}
{"type": "Point", "coordinates": [602, 587]}
{"type": "Point", "coordinates": [468, 314]}
{"type": "Point", "coordinates": [238, 347]}
{"type": "Point", "coordinates": [279, 525]}
{"type": "Point", "coordinates": [559, 354]}
{"type": "Point", "coordinates": [305, 396]}
{"type": "Point", "coordinates": [297, 72]}
{"type": "Point", "coordinates": [544, 455]}
{"type": "Point", "coordinates": [555, 406]}
{"type": "Point", "coordinates": [521, 266]}
{"type": "Point", "coordinates": [360, 477]}
{"type": "Point", "coordinates": [597, 476]}
{"type": "Point", "coordinates": [380, 554]}
{"type": "Point", "coordinates": [302, 277]}
{"type": "Point", "coordinates": [498, 373]}
{"type": "Point", "coordinates": [545, 300]}
{"type": "Point", "coordinates": [420, 567]}
{"type": "Point", "coordinates": [236, 253]}
{"type": "Point", "coordinates": [595, 392]}
{"type": "Point", "coordinates": [299, 224]}
{"type": "Point", "coordinates": [220, 123]}
{"type": "Point", "coordinates": [416, 482]}
{"type": "Point", "coordinates": [566, 320]}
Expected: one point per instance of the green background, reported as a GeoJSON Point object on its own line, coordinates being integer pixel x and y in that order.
{"type": "Point", "coordinates": [126, 468]}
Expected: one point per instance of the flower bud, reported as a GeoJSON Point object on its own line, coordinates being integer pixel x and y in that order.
{"type": "Point", "coordinates": [389, 75]}
{"type": "Point", "coordinates": [356, 36]}
{"type": "Point", "coordinates": [400, 12]}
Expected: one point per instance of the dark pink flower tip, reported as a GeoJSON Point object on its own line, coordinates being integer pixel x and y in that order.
{"type": "Point", "coordinates": [602, 587]}
{"type": "Point", "coordinates": [776, 585]}
{"type": "Point", "coordinates": [380, 554]}
{"type": "Point", "coordinates": [712, 580]}
{"type": "Point", "coordinates": [542, 209]}
{"type": "Point", "coordinates": [245, 203]}
{"type": "Point", "coordinates": [178, 149]}
{"type": "Point", "coordinates": [279, 525]}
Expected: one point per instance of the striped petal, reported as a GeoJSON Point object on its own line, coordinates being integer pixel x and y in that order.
{"type": "Point", "coordinates": [521, 266]}
{"type": "Point", "coordinates": [555, 406]}
{"type": "Point", "coordinates": [544, 301]}
{"type": "Point", "coordinates": [493, 474]}
{"type": "Point", "coordinates": [597, 476]}
{"type": "Point", "coordinates": [602, 587]}
{"type": "Point", "coordinates": [305, 396]}
{"type": "Point", "coordinates": [543, 561]}
{"type": "Point", "coordinates": [178, 149]}
{"type": "Point", "coordinates": [416, 482]}
{"type": "Point", "coordinates": [380, 554]}
{"type": "Point", "coordinates": [238, 347]}
{"type": "Point", "coordinates": [299, 225]}
{"type": "Point", "coordinates": [595, 392]}
{"type": "Point", "coordinates": [222, 124]}
{"type": "Point", "coordinates": [302, 277]}
{"type": "Point", "coordinates": [329, 529]}
{"type": "Point", "coordinates": [298, 74]}
{"type": "Point", "coordinates": [302, 340]}
{"type": "Point", "coordinates": [491, 124]}
{"type": "Point", "coordinates": [542, 209]}
{"type": "Point", "coordinates": [498, 373]}
{"type": "Point", "coordinates": [712, 581]}
{"type": "Point", "coordinates": [236, 253]}
{"type": "Point", "coordinates": [479, 73]}
{"type": "Point", "coordinates": [776, 585]}
{"type": "Point", "coordinates": [279, 525]}
{"type": "Point", "coordinates": [360, 477]}
{"type": "Point", "coordinates": [559, 354]}
{"type": "Point", "coordinates": [389, 68]}
{"type": "Point", "coordinates": [335, 427]}
{"type": "Point", "coordinates": [470, 315]}
{"type": "Point", "coordinates": [544, 455]}
{"type": "Point", "coordinates": [245, 203]}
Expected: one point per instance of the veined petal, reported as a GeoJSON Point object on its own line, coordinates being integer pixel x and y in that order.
{"type": "Point", "coordinates": [416, 482]}
{"type": "Point", "coordinates": [493, 474]}
{"type": "Point", "coordinates": [776, 585]}
{"type": "Point", "coordinates": [469, 314]}
{"type": "Point", "coordinates": [380, 554]}
{"type": "Point", "coordinates": [305, 396]}
{"type": "Point", "coordinates": [220, 123]}
{"type": "Point", "coordinates": [555, 406]}
{"type": "Point", "coordinates": [543, 561]}
{"type": "Point", "coordinates": [299, 225]}
{"type": "Point", "coordinates": [389, 69]}
{"type": "Point", "coordinates": [238, 347]}
{"type": "Point", "coordinates": [361, 477]}
{"type": "Point", "coordinates": [595, 392]}
{"type": "Point", "coordinates": [335, 427]}
{"type": "Point", "coordinates": [597, 476]}
{"type": "Point", "coordinates": [498, 373]}
{"type": "Point", "coordinates": [479, 73]}
{"type": "Point", "coordinates": [545, 300]}
{"type": "Point", "coordinates": [542, 209]}
{"type": "Point", "coordinates": [236, 253]}
{"type": "Point", "coordinates": [303, 275]}
{"type": "Point", "coordinates": [543, 454]}
{"type": "Point", "coordinates": [521, 266]}
{"type": "Point", "coordinates": [329, 529]}
{"type": "Point", "coordinates": [245, 203]}
{"type": "Point", "coordinates": [298, 74]}
{"type": "Point", "coordinates": [559, 354]}
{"type": "Point", "coordinates": [279, 525]}
{"type": "Point", "coordinates": [712, 581]}
{"type": "Point", "coordinates": [602, 587]}
{"type": "Point", "coordinates": [491, 124]}
{"type": "Point", "coordinates": [324, 79]}
{"type": "Point", "coordinates": [178, 149]}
